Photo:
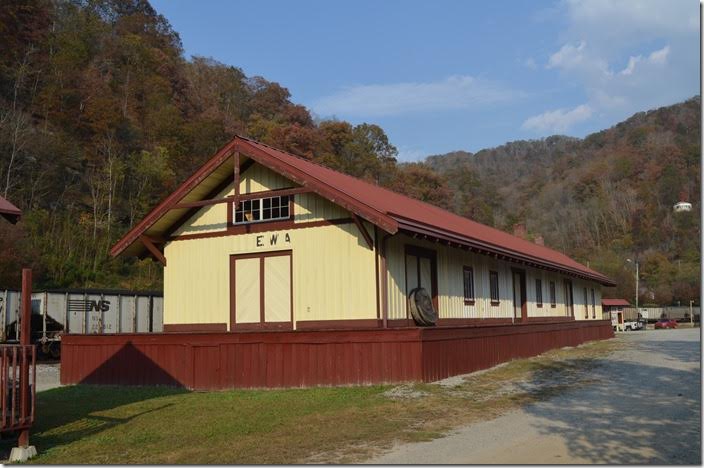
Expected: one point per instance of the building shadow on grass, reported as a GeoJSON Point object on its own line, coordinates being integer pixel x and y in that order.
{"type": "Point", "coordinates": [631, 412]}
{"type": "Point", "coordinates": [70, 413]}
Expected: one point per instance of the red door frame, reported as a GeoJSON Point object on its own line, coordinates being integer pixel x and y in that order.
{"type": "Point", "coordinates": [524, 296]}
{"type": "Point", "coordinates": [431, 255]}
{"type": "Point", "coordinates": [569, 297]}
{"type": "Point", "coordinates": [262, 324]}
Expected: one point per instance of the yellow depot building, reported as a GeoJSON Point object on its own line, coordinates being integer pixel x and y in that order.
{"type": "Point", "coordinates": [259, 239]}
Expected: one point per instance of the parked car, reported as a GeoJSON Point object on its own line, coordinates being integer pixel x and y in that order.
{"type": "Point", "coordinates": [666, 323]}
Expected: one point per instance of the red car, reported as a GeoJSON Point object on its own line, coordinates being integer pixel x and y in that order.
{"type": "Point", "coordinates": [666, 323]}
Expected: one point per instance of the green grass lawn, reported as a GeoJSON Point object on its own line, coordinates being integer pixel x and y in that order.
{"type": "Point", "coordinates": [97, 424]}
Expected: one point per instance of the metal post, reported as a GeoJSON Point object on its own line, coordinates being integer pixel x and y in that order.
{"type": "Point", "coordinates": [101, 323]}
{"type": "Point", "coordinates": [86, 314]}
{"type": "Point", "coordinates": [45, 308]}
{"type": "Point", "coordinates": [151, 313]}
{"type": "Point", "coordinates": [66, 319]}
{"type": "Point", "coordinates": [119, 313]}
{"type": "Point", "coordinates": [134, 315]}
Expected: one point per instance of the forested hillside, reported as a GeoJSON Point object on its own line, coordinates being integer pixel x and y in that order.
{"type": "Point", "coordinates": [601, 199]}
{"type": "Point", "coordinates": [101, 116]}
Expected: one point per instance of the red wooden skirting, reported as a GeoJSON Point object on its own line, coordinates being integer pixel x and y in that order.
{"type": "Point", "coordinates": [216, 360]}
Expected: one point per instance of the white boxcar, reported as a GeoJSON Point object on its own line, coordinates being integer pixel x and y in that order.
{"type": "Point", "coordinates": [9, 310]}
{"type": "Point", "coordinates": [84, 311]}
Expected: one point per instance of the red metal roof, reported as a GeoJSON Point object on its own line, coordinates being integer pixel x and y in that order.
{"type": "Point", "coordinates": [9, 211]}
{"type": "Point", "coordinates": [387, 209]}
{"type": "Point", "coordinates": [615, 302]}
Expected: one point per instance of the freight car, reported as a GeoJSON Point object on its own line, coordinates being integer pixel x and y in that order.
{"type": "Point", "coordinates": [60, 311]}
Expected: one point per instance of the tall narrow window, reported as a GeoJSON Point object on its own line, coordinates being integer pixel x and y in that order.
{"type": "Point", "coordinates": [553, 300]}
{"type": "Point", "coordinates": [586, 305]}
{"type": "Point", "coordinates": [593, 305]}
{"type": "Point", "coordinates": [494, 287]}
{"type": "Point", "coordinates": [468, 277]}
{"type": "Point", "coordinates": [539, 292]}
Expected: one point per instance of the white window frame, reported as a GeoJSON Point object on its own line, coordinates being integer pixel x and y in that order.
{"type": "Point", "coordinates": [261, 210]}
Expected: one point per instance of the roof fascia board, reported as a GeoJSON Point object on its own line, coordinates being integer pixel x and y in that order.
{"type": "Point", "coordinates": [176, 196]}
{"type": "Point", "coordinates": [449, 236]}
{"type": "Point", "coordinates": [338, 197]}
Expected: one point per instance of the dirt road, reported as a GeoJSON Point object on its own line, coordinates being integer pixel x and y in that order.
{"type": "Point", "coordinates": [643, 407]}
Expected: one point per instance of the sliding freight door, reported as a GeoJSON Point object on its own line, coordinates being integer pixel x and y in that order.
{"type": "Point", "coordinates": [261, 295]}
{"type": "Point", "coordinates": [421, 272]}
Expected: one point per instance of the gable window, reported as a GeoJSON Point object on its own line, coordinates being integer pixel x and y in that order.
{"type": "Point", "coordinates": [262, 209]}
{"type": "Point", "coordinates": [553, 301]}
{"type": "Point", "coordinates": [468, 280]}
{"type": "Point", "coordinates": [494, 287]}
{"type": "Point", "coordinates": [586, 305]}
{"type": "Point", "coordinates": [539, 292]}
{"type": "Point", "coordinates": [593, 305]}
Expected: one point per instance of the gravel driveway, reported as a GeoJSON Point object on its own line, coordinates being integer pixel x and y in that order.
{"type": "Point", "coordinates": [643, 407]}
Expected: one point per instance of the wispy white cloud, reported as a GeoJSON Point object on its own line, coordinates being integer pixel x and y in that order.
{"type": "Point", "coordinates": [576, 57]}
{"type": "Point", "coordinates": [597, 54]}
{"type": "Point", "coordinates": [616, 26]}
{"type": "Point", "coordinates": [454, 92]}
{"type": "Point", "coordinates": [557, 121]}
{"type": "Point", "coordinates": [658, 57]}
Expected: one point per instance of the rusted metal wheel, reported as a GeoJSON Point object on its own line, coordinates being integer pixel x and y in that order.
{"type": "Point", "coordinates": [422, 309]}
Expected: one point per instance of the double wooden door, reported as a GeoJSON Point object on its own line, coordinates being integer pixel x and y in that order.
{"type": "Point", "coordinates": [261, 294]}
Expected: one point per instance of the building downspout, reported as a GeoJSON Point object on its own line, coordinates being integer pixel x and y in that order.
{"type": "Point", "coordinates": [384, 283]}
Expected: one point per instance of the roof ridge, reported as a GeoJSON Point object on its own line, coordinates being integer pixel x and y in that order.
{"type": "Point", "coordinates": [329, 169]}
{"type": "Point", "coordinates": [424, 203]}
{"type": "Point", "coordinates": [352, 177]}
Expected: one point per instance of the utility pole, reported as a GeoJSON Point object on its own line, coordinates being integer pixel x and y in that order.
{"type": "Point", "coordinates": [637, 278]}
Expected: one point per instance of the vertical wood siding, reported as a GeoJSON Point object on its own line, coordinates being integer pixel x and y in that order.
{"type": "Point", "coordinates": [312, 207]}
{"type": "Point", "coordinates": [451, 289]}
{"type": "Point", "coordinates": [452, 351]}
{"type": "Point", "coordinates": [333, 271]}
{"type": "Point", "coordinates": [257, 179]}
{"type": "Point", "coordinates": [333, 275]}
{"type": "Point", "coordinates": [210, 361]}
{"type": "Point", "coordinates": [333, 268]}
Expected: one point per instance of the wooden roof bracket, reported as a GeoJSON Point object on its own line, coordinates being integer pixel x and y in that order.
{"type": "Point", "coordinates": [363, 230]}
{"type": "Point", "coordinates": [149, 244]}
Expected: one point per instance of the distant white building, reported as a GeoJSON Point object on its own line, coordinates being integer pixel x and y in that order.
{"type": "Point", "coordinates": [682, 206]}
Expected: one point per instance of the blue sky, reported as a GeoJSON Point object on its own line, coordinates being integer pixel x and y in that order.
{"type": "Point", "coordinates": [448, 75]}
